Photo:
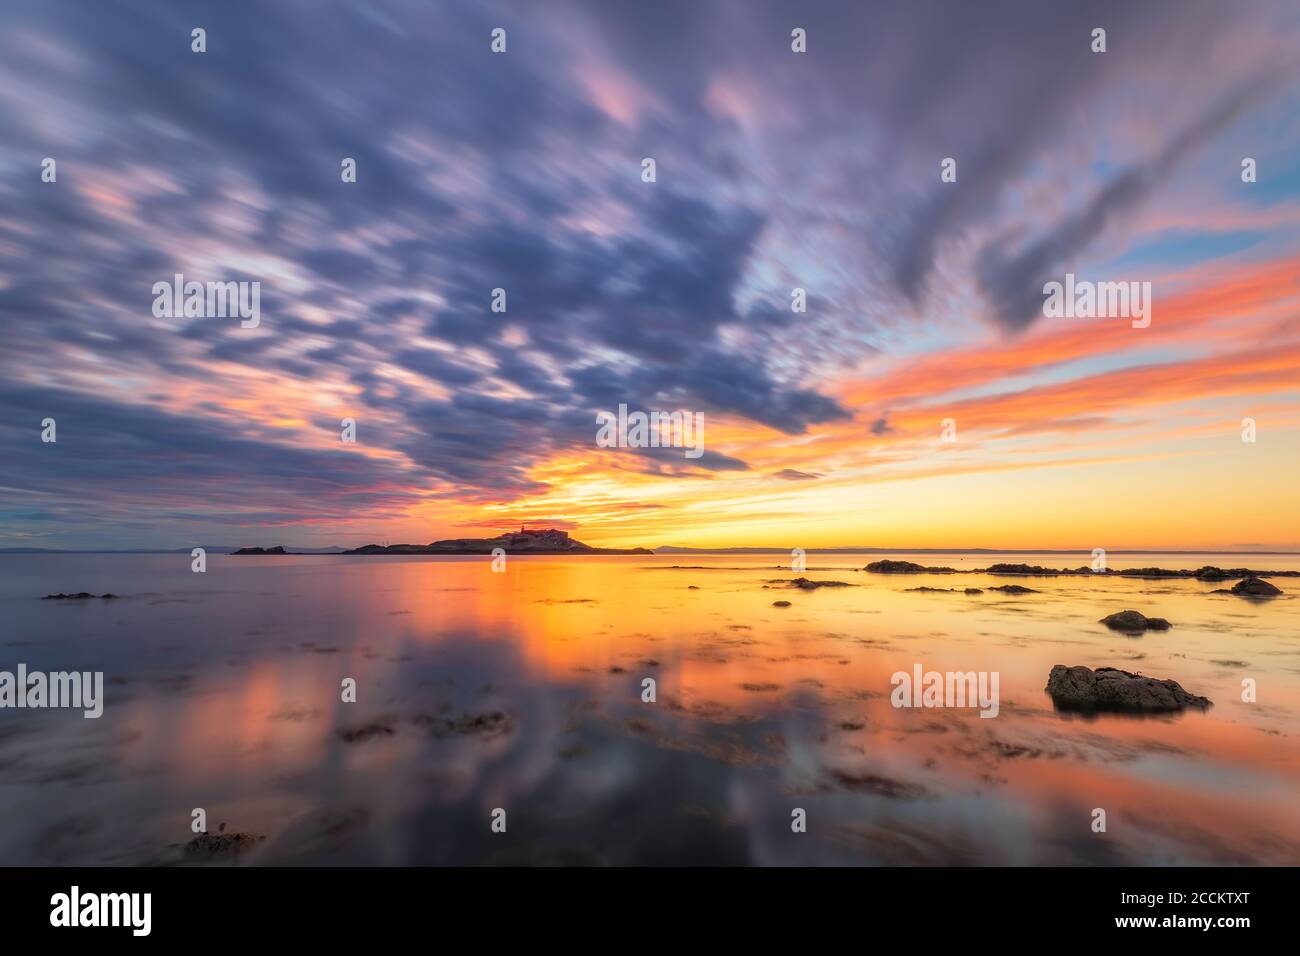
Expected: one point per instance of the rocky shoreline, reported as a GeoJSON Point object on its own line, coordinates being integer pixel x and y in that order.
{"type": "Point", "coordinates": [1206, 573]}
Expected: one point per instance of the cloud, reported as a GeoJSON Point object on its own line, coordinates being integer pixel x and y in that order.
{"type": "Point", "coordinates": [522, 171]}
{"type": "Point", "coordinates": [1014, 282]}
{"type": "Point", "coordinates": [791, 474]}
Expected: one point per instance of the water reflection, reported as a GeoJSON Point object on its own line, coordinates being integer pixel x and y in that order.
{"type": "Point", "coordinates": [523, 691]}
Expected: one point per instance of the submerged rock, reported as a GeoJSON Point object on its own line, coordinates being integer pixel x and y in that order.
{"type": "Point", "coordinates": [1134, 621]}
{"type": "Point", "coordinates": [215, 846]}
{"type": "Point", "coordinates": [364, 732]}
{"type": "Point", "coordinates": [806, 584]}
{"type": "Point", "coordinates": [1111, 689]}
{"type": "Point", "coordinates": [489, 724]}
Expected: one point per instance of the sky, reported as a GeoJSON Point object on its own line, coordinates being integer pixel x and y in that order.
{"type": "Point", "coordinates": [774, 170]}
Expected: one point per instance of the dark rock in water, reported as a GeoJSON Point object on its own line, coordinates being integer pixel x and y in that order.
{"type": "Point", "coordinates": [807, 585]}
{"type": "Point", "coordinates": [780, 604]}
{"type": "Point", "coordinates": [491, 724]}
{"type": "Point", "coordinates": [1028, 570]}
{"type": "Point", "coordinates": [355, 735]}
{"type": "Point", "coordinates": [215, 846]}
{"type": "Point", "coordinates": [878, 785]}
{"type": "Point", "coordinates": [1014, 589]}
{"type": "Point", "coordinates": [1253, 587]}
{"type": "Point", "coordinates": [79, 596]}
{"type": "Point", "coordinates": [278, 549]}
{"type": "Point", "coordinates": [1134, 621]}
{"type": "Point", "coordinates": [1152, 573]}
{"type": "Point", "coordinates": [974, 591]}
{"type": "Point", "coordinates": [1210, 573]}
{"type": "Point", "coordinates": [1111, 689]}
{"type": "Point", "coordinates": [941, 590]}
{"type": "Point", "coordinates": [905, 567]}
{"type": "Point", "coordinates": [692, 587]}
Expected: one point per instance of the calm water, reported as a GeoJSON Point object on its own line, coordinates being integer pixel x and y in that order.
{"type": "Point", "coordinates": [522, 691]}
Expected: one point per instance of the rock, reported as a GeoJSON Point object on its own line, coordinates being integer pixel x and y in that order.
{"type": "Point", "coordinates": [79, 596]}
{"type": "Point", "coordinates": [1255, 587]}
{"type": "Point", "coordinates": [1111, 689]}
{"type": "Point", "coordinates": [807, 585]}
{"type": "Point", "coordinates": [974, 591]}
{"type": "Point", "coordinates": [1209, 573]}
{"type": "Point", "coordinates": [692, 587]}
{"type": "Point", "coordinates": [942, 590]}
{"type": "Point", "coordinates": [1134, 621]}
{"type": "Point", "coordinates": [355, 735]}
{"type": "Point", "coordinates": [1014, 589]}
{"type": "Point", "coordinates": [780, 604]}
{"type": "Point", "coordinates": [1024, 569]}
{"type": "Point", "coordinates": [905, 567]}
{"type": "Point", "coordinates": [491, 724]}
{"type": "Point", "coordinates": [212, 846]}
{"type": "Point", "coordinates": [278, 549]}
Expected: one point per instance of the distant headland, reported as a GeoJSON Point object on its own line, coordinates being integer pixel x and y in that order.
{"type": "Point", "coordinates": [523, 541]}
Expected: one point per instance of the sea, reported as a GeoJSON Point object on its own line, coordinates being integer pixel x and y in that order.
{"type": "Point", "coordinates": [617, 710]}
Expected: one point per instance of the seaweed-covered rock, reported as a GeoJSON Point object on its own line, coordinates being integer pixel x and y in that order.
{"type": "Point", "coordinates": [905, 567]}
{"type": "Point", "coordinates": [1027, 570]}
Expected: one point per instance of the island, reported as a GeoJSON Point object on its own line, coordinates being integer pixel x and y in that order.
{"type": "Point", "coordinates": [523, 541]}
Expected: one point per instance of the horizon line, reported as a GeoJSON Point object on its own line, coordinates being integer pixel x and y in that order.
{"type": "Point", "coordinates": [681, 549]}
